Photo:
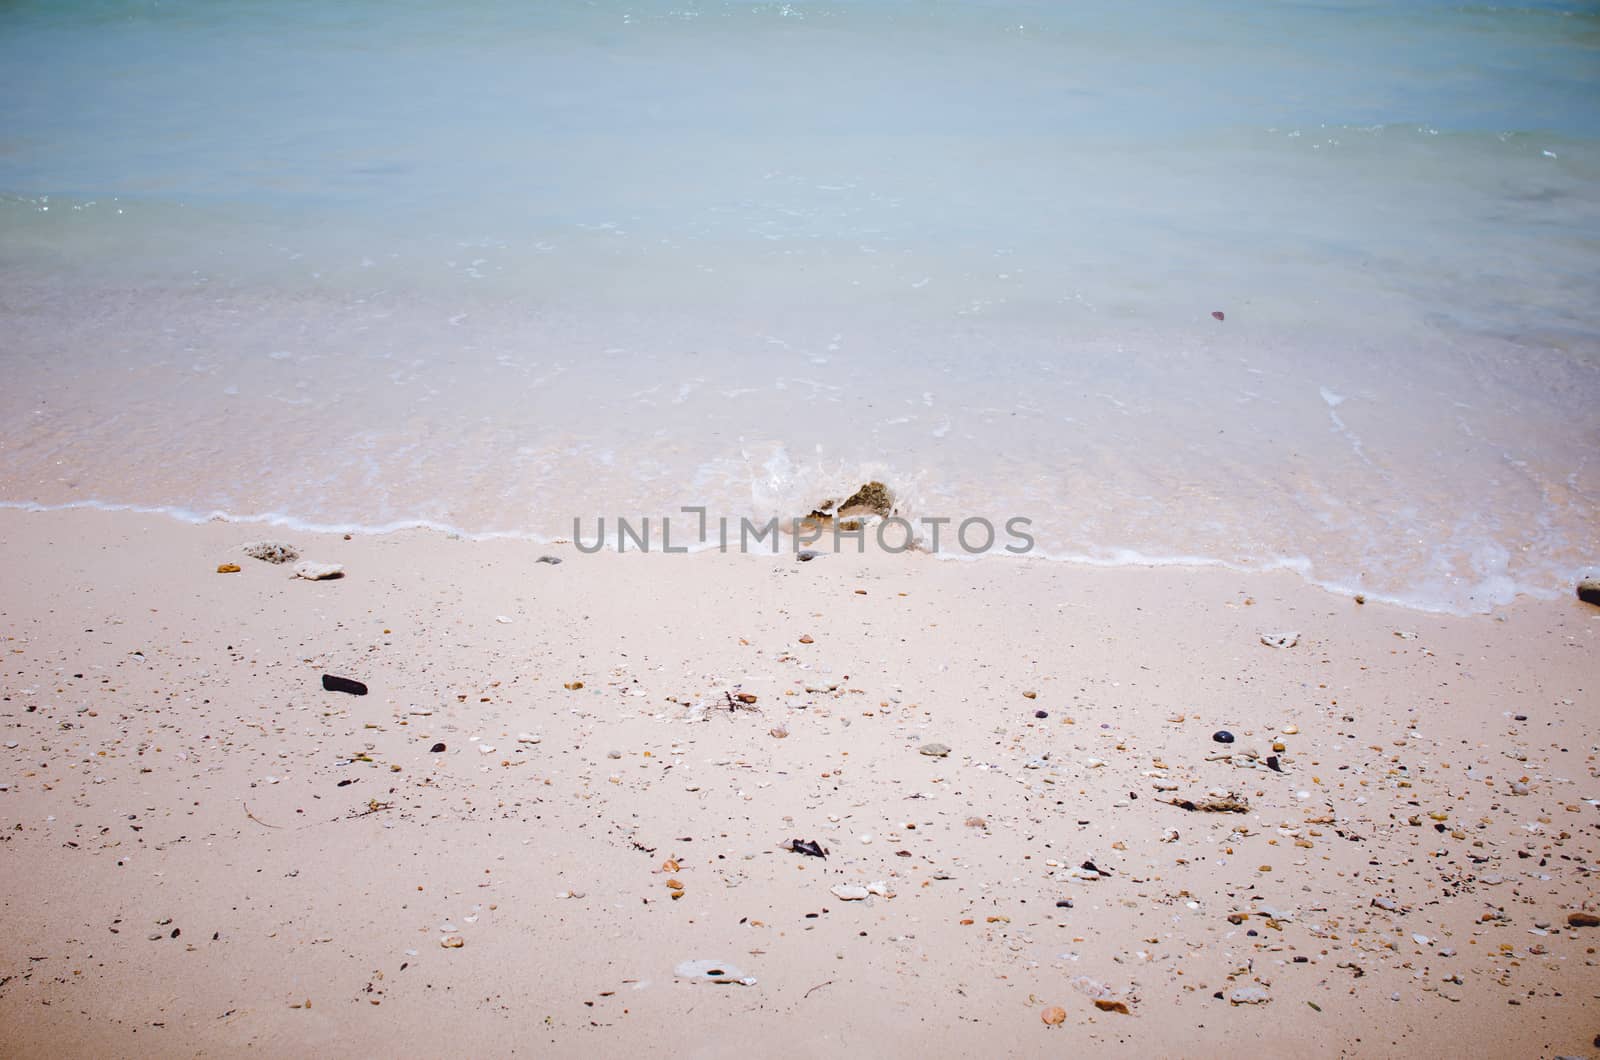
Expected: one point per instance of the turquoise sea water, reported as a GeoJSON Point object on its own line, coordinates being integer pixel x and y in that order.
{"type": "Point", "coordinates": [495, 266]}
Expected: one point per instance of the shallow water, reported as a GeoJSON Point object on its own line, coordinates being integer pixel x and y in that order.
{"type": "Point", "coordinates": [497, 268]}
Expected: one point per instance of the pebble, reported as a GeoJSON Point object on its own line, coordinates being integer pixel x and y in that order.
{"type": "Point", "coordinates": [552, 560]}
{"type": "Point", "coordinates": [1041, 714]}
{"type": "Point", "coordinates": [1248, 995]}
{"type": "Point", "coordinates": [452, 942]}
{"type": "Point", "coordinates": [934, 750]}
{"type": "Point", "coordinates": [1589, 590]}
{"type": "Point", "coordinates": [527, 737]}
{"type": "Point", "coordinates": [1222, 736]}
{"type": "Point", "coordinates": [1583, 920]}
{"type": "Point", "coordinates": [330, 683]}
{"type": "Point", "coordinates": [1053, 1015]}
{"type": "Point", "coordinates": [436, 748]}
{"type": "Point", "coordinates": [227, 568]}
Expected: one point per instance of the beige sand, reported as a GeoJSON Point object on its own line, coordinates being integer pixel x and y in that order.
{"type": "Point", "coordinates": [204, 851]}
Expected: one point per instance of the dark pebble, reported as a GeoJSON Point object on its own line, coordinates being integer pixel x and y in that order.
{"type": "Point", "coordinates": [1216, 314]}
{"type": "Point", "coordinates": [436, 748]}
{"type": "Point", "coordinates": [331, 683]}
{"type": "Point", "coordinates": [1222, 736]}
{"type": "Point", "coordinates": [1272, 764]}
{"type": "Point", "coordinates": [1521, 717]}
{"type": "Point", "coordinates": [552, 560]}
{"type": "Point", "coordinates": [805, 555]}
{"type": "Point", "coordinates": [1064, 903]}
{"type": "Point", "coordinates": [1041, 714]}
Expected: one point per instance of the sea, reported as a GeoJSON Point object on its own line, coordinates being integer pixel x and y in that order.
{"type": "Point", "coordinates": [1266, 284]}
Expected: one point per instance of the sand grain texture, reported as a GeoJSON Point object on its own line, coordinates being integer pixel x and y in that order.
{"type": "Point", "coordinates": [198, 839]}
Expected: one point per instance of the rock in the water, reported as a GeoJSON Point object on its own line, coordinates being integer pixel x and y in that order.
{"type": "Point", "coordinates": [873, 497]}
{"type": "Point", "coordinates": [316, 572]}
{"type": "Point", "coordinates": [1280, 640]}
{"type": "Point", "coordinates": [1589, 590]}
{"type": "Point", "coordinates": [343, 684]}
{"type": "Point", "coordinates": [271, 551]}
{"type": "Point", "coordinates": [935, 750]}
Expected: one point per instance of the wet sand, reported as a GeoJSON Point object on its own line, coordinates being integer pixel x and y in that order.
{"type": "Point", "coordinates": [204, 851]}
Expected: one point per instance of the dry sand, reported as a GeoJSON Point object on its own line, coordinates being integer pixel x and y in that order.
{"type": "Point", "coordinates": [204, 851]}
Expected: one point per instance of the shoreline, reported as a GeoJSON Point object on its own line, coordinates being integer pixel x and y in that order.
{"type": "Point", "coordinates": [1111, 559]}
{"type": "Point", "coordinates": [178, 767]}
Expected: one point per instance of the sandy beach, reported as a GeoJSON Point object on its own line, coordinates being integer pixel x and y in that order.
{"type": "Point", "coordinates": [206, 852]}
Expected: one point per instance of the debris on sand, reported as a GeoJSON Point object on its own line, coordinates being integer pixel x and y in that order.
{"type": "Point", "coordinates": [1223, 802]}
{"type": "Point", "coordinates": [720, 972]}
{"type": "Point", "coordinates": [271, 551]}
{"type": "Point", "coordinates": [331, 683]}
{"type": "Point", "coordinates": [317, 572]}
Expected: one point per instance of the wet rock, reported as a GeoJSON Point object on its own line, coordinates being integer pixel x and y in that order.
{"type": "Point", "coordinates": [437, 748]}
{"type": "Point", "coordinates": [317, 572]}
{"type": "Point", "coordinates": [330, 683]}
{"type": "Point", "coordinates": [1589, 590]}
{"type": "Point", "coordinates": [271, 551]}
{"type": "Point", "coordinates": [874, 497]}
{"type": "Point", "coordinates": [1041, 714]}
{"type": "Point", "coordinates": [1222, 736]}
{"type": "Point", "coordinates": [934, 750]}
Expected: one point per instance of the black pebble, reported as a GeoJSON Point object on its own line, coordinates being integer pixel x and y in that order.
{"type": "Point", "coordinates": [1272, 764]}
{"type": "Point", "coordinates": [805, 555]}
{"type": "Point", "coordinates": [1222, 736]}
{"type": "Point", "coordinates": [331, 683]}
{"type": "Point", "coordinates": [1521, 717]}
{"type": "Point", "coordinates": [1065, 903]}
{"type": "Point", "coordinates": [436, 748]}
{"type": "Point", "coordinates": [1041, 714]}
